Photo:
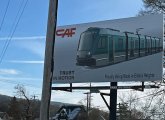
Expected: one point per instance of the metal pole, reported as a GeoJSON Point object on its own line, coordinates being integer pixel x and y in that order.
{"type": "Point", "coordinates": [113, 102]}
{"type": "Point", "coordinates": [87, 106]}
{"type": "Point", "coordinates": [90, 98]}
{"type": "Point", "coordinates": [48, 63]}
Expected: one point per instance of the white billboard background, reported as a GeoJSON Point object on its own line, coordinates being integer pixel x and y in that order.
{"type": "Point", "coordinates": [148, 68]}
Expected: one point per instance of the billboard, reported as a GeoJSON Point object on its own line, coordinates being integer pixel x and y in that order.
{"type": "Point", "coordinates": [128, 49]}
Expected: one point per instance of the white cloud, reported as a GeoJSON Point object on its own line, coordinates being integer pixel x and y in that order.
{"type": "Point", "coordinates": [36, 47]}
{"type": "Point", "coordinates": [20, 78]}
{"type": "Point", "coordinates": [34, 44]}
{"type": "Point", "coordinates": [9, 72]}
{"type": "Point", "coordinates": [24, 38]}
{"type": "Point", "coordinates": [26, 61]}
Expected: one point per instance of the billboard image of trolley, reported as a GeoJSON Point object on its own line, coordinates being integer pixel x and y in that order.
{"type": "Point", "coordinates": [117, 50]}
{"type": "Point", "coordinates": [105, 46]}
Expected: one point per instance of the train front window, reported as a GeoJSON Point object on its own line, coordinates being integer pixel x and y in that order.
{"type": "Point", "coordinates": [102, 42]}
{"type": "Point", "coordinates": [86, 41]}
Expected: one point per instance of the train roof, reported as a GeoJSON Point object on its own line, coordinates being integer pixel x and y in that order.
{"type": "Point", "coordinates": [93, 28]}
{"type": "Point", "coordinates": [117, 32]}
{"type": "Point", "coordinates": [141, 36]}
{"type": "Point", "coordinates": [156, 38]}
{"type": "Point", "coordinates": [148, 37]}
{"type": "Point", "coordinates": [131, 34]}
{"type": "Point", "coordinates": [111, 31]}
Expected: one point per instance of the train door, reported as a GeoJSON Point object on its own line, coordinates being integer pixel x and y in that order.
{"type": "Point", "coordinates": [132, 47]}
{"type": "Point", "coordinates": [160, 48]}
{"type": "Point", "coordinates": [136, 47]}
{"type": "Point", "coordinates": [110, 49]}
{"type": "Point", "coordinates": [101, 52]}
{"type": "Point", "coordinates": [153, 45]}
{"type": "Point", "coordinates": [149, 45]}
{"type": "Point", "coordinates": [157, 45]}
{"type": "Point", "coordinates": [146, 46]}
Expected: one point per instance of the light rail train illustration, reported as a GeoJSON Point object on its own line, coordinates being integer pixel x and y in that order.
{"type": "Point", "coordinates": [105, 46]}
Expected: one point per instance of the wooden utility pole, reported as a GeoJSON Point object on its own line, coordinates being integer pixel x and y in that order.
{"type": "Point", "coordinates": [48, 63]}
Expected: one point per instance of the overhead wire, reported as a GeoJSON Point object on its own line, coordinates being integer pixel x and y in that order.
{"type": "Point", "coordinates": [6, 42]}
{"type": "Point", "coordinates": [9, 38]}
{"type": "Point", "coordinates": [4, 16]}
{"type": "Point", "coordinates": [17, 19]}
{"type": "Point", "coordinates": [12, 32]}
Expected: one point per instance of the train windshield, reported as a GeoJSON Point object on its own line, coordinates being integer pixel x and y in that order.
{"type": "Point", "coordinates": [86, 41]}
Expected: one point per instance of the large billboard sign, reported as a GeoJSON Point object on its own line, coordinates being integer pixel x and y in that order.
{"type": "Point", "coordinates": [128, 49]}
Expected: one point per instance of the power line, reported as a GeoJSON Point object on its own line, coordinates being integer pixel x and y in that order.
{"type": "Point", "coordinates": [4, 16]}
{"type": "Point", "coordinates": [4, 47]}
{"type": "Point", "coordinates": [14, 29]}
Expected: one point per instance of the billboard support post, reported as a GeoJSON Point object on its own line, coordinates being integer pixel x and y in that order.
{"type": "Point", "coordinates": [88, 105]}
{"type": "Point", "coordinates": [142, 86]}
{"type": "Point", "coordinates": [48, 62]}
{"type": "Point", "coordinates": [113, 101]}
{"type": "Point", "coordinates": [102, 95]}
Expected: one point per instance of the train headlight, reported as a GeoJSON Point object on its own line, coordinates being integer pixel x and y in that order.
{"type": "Point", "coordinates": [89, 53]}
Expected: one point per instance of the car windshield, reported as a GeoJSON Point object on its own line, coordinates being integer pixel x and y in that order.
{"type": "Point", "coordinates": [86, 41]}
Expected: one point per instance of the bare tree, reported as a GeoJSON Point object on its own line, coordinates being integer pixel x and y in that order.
{"type": "Point", "coordinates": [26, 101]}
{"type": "Point", "coordinates": [130, 106]}
{"type": "Point", "coordinates": [152, 7]}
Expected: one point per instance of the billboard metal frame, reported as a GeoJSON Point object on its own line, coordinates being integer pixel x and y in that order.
{"type": "Point", "coordinates": [97, 88]}
{"type": "Point", "coordinates": [112, 106]}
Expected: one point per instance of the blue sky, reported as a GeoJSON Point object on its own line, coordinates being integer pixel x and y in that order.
{"type": "Point", "coordinates": [23, 60]}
